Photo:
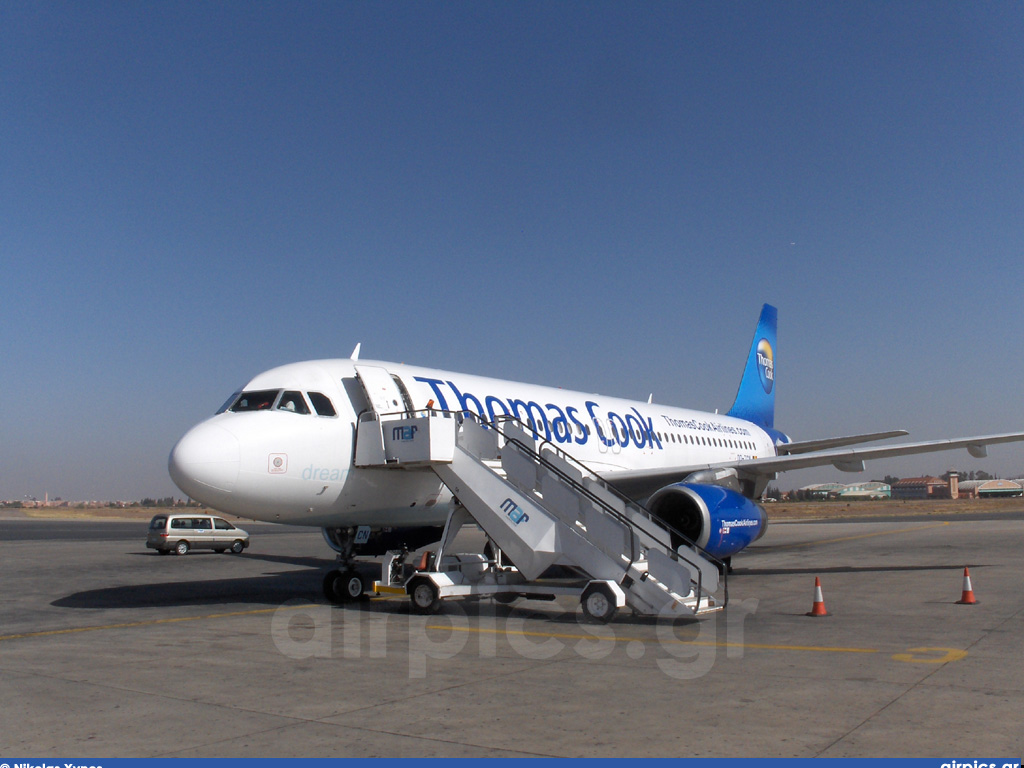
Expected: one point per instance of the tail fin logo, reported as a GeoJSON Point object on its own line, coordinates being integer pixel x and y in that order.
{"type": "Point", "coordinates": [765, 365]}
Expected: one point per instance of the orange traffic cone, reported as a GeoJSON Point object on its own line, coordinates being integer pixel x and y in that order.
{"type": "Point", "coordinates": [818, 609]}
{"type": "Point", "coordinates": [967, 598]}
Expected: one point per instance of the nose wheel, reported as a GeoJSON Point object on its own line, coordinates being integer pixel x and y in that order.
{"type": "Point", "coordinates": [343, 586]}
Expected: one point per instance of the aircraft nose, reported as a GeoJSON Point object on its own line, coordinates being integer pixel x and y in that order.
{"type": "Point", "coordinates": [205, 460]}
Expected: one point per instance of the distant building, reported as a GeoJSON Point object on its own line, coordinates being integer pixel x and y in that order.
{"type": "Point", "coordinates": [872, 490]}
{"type": "Point", "coordinates": [914, 488]}
{"type": "Point", "coordinates": [921, 488]}
{"type": "Point", "coordinates": [821, 490]}
{"type": "Point", "coordinates": [851, 492]}
{"type": "Point", "coordinates": [989, 489]}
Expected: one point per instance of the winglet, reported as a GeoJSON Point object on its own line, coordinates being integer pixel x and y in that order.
{"type": "Point", "coordinates": [755, 400]}
{"type": "Point", "coordinates": [355, 352]}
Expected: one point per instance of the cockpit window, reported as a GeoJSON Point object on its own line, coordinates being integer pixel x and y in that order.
{"type": "Point", "coordinates": [294, 402]}
{"type": "Point", "coordinates": [255, 401]}
{"type": "Point", "coordinates": [322, 404]}
{"type": "Point", "coordinates": [229, 402]}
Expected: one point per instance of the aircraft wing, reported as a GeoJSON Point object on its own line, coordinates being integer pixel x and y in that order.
{"type": "Point", "coordinates": [837, 442]}
{"type": "Point", "coordinates": [638, 483]}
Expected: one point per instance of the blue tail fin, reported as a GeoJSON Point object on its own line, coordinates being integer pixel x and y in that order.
{"type": "Point", "coordinates": [755, 400]}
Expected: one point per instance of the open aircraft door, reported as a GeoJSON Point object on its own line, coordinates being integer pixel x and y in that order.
{"type": "Point", "coordinates": [386, 395]}
{"type": "Point", "coordinates": [382, 390]}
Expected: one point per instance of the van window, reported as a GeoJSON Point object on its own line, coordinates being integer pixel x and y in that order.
{"type": "Point", "coordinates": [158, 523]}
{"type": "Point", "coordinates": [222, 525]}
{"type": "Point", "coordinates": [187, 523]}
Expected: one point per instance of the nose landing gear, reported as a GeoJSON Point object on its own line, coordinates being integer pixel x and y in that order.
{"type": "Point", "coordinates": [343, 583]}
{"type": "Point", "coordinates": [343, 586]}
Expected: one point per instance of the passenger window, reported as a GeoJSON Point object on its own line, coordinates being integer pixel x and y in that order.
{"type": "Point", "coordinates": [294, 402]}
{"type": "Point", "coordinates": [222, 525]}
{"type": "Point", "coordinates": [322, 404]}
{"type": "Point", "coordinates": [181, 522]}
{"type": "Point", "coordinates": [255, 401]}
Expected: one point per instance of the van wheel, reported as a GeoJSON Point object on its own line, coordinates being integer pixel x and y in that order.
{"type": "Point", "coordinates": [237, 547]}
{"type": "Point", "coordinates": [181, 548]}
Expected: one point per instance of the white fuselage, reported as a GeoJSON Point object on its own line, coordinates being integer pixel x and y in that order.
{"type": "Point", "coordinates": [286, 466]}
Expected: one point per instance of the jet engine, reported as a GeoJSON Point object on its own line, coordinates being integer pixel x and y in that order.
{"type": "Point", "coordinates": [717, 519]}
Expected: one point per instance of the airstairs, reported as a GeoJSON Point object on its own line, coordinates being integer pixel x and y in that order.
{"type": "Point", "coordinates": [541, 509]}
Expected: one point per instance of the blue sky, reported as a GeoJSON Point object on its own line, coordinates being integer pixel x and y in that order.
{"type": "Point", "coordinates": [591, 195]}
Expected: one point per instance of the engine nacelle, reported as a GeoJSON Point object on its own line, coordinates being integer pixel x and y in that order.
{"type": "Point", "coordinates": [718, 519]}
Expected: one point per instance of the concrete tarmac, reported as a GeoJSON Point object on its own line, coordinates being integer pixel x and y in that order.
{"type": "Point", "coordinates": [109, 650]}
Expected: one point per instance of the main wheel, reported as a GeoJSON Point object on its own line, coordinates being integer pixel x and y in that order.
{"type": "Point", "coordinates": [598, 603]}
{"type": "Point", "coordinates": [425, 597]}
{"type": "Point", "coordinates": [237, 546]}
{"type": "Point", "coordinates": [181, 548]}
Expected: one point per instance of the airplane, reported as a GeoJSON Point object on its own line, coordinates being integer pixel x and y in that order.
{"type": "Point", "coordinates": [283, 449]}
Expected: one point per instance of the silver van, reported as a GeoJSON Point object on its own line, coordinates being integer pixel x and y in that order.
{"type": "Point", "coordinates": [180, 533]}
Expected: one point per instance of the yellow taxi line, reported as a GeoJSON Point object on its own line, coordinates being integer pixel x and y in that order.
{"type": "Point", "coordinates": [917, 655]}
{"type": "Point", "coordinates": [718, 644]}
